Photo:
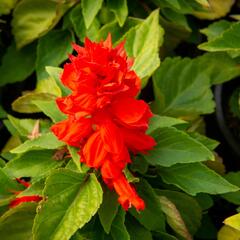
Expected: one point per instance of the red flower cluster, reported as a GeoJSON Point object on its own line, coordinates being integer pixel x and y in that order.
{"type": "Point", "coordinates": [19, 200]}
{"type": "Point", "coordinates": [104, 119]}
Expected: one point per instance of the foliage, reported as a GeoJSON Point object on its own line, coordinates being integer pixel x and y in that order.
{"type": "Point", "coordinates": [177, 178]}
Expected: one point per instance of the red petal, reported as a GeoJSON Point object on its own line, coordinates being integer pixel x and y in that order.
{"type": "Point", "coordinates": [17, 201]}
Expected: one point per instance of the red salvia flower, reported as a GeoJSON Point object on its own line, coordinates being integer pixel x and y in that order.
{"type": "Point", "coordinates": [19, 200]}
{"type": "Point", "coordinates": [104, 120]}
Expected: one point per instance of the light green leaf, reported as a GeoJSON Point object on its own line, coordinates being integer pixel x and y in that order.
{"type": "Point", "coordinates": [79, 26]}
{"type": "Point", "coordinates": [44, 141]}
{"type": "Point", "coordinates": [118, 229]}
{"type": "Point", "coordinates": [17, 222]}
{"type": "Point", "coordinates": [187, 207]}
{"type": "Point", "coordinates": [6, 6]}
{"type": "Point", "coordinates": [194, 178]}
{"type": "Point", "coordinates": [191, 93]}
{"type": "Point", "coordinates": [108, 210]}
{"type": "Point", "coordinates": [76, 159]}
{"type": "Point", "coordinates": [35, 188]}
{"type": "Point", "coordinates": [55, 73]}
{"type": "Point", "coordinates": [52, 50]}
{"type": "Point", "coordinates": [43, 17]}
{"type": "Point", "coordinates": [227, 41]}
{"type": "Point", "coordinates": [90, 8]}
{"type": "Point", "coordinates": [163, 121]}
{"type": "Point", "coordinates": [34, 164]}
{"type": "Point", "coordinates": [22, 61]}
{"type": "Point", "coordinates": [151, 217]}
{"type": "Point", "coordinates": [73, 198]}
{"type": "Point", "coordinates": [175, 146]}
{"type": "Point", "coordinates": [120, 10]}
{"type": "Point", "coordinates": [25, 104]}
{"type": "Point", "coordinates": [50, 109]}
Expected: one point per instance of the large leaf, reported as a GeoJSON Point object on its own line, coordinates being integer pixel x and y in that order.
{"type": "Point", "coordinates": [151, 217]}
{"type": "Point", "coordinates": [34, 164]}
{"type": "Point", "coordinates": [194, 178]}
{"type": "Point", "coordinates": [108, 210]}
{"type": "Point", "coordinates": [175, 146]}
{"type": "Point", "coordinates": [228, 40]}
{"type": "Point", "coordinates": [44, 141]}
{"type": "Point", "coordinates": [90, 8]}
{"type": "Point", "coordinates": [191, 93]}
{"type": "Point", "coordinates": [118, 229]}
{"type": "Point", "coordinates": [188, 208]}
{"type": "Point", "coordinates": [73, 198]}
{"type": "Point", "coordinates": [6, 6]}
{"type": "Point", "coordinates": [120, 10]}
{"type": "Point", "coordinates": [52, 50]}
{"type": "Point", "coordinates": [17, 65]}
{"type": "Point", "coordinates": [17, 222]}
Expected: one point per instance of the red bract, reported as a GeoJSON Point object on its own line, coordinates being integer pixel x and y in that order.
{"type": "Point", "coordinates": [104, 120]}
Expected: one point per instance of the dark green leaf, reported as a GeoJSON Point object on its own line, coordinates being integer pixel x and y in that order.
{"type": "Point", "coordinates": [175, 146]}
{"type": "Point", "coordinates": [17, 65]}
{"type": "Point", "coordinates": [194, 178]}
{"type": "Point", "coordinates": [52, 50]}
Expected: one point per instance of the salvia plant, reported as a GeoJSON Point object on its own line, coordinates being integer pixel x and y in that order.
{"type": "Point", "coordinates": [106, 134]}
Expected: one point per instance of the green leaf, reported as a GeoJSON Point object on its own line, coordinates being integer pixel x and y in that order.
{"type": "Point", "coordinates": [21, 61]}
{"type": "Point", "coordinates": [44, 141]}
{"type": "Point", "coordinates": [175, 146]}
{"type": "Point", "coordinates": [215, 29]}
{"type": "Point", "coordinates": [163, 121]}
{"type": "Point", "coordinates": [187, 207]}
{"type": "Point", "coordinates": [191, 93]}
{"type": "Point", "coordinates": [136, 230]}
{"type": "Point", "coordinates": [108, 209]}
{"type": "Point", "coordinates": [73, 198]}
{"type": "Point", "coordinates": [79, 26]}
{"type": "Point", "coordinates": [151, 217]}
{"type": "Point", "coordinates": [194, 178]}
{"type": "Point", "coordinates": [146, 40]}
{"type": "Point", "coordinates": [52, 50]}
{"type": "Point", "coordinates": [6, 6]}
{"type": "Point", "coordinates": [90, 8]}
{"type": "Point", "coordinates": [55, 73]}
{"type": "Point", "coordinates": [234, 178]}
{"type": "Point", "coordinates": [226, 41]}
{"type": "Point", "coordinates": [50, 109]}
{"type": "Point", "coordinates": [43, 17]}
{"type": "Point", "coordinates": [120, 10]}
{"type": "Point", "coordinates": [35, 188]}
{"type": "Point", "coordinates": [17, 222]}
{"type": "Point", "coordinates": [25, 104]}
{"type": "Point", "coordinates": [118, 229]}
{"type": "Point", "coordinates": [234, 103]}
{"type": "Point", "coordinates": [34, 164]}
{"type": "Point", "coordinates": [174, 218]}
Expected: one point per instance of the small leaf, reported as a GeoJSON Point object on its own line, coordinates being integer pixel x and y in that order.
{"type": "Point", "coordinates": [24, 104]}
{"type": "Point", "coordinates": [175, 146]}
{"type": "Point", "coordinates": [120, 10]}
{"type": "Point", "coordinates": [118, 229]}
{"type": "Point", "coordinates": [34, 164]}
{"type": "Point", "coordinates": [90, 8]}
{"type": "Point", "coordinates": [52, 50]}
{"type": "Point", "coordinates": [50, 109]}
{"type": "Point", "coordinates": [194, 178]}
{"type": "Point", "coordinates": [108, 210]}
{"type": "Point", "coordinates": [174, 218]}
{"type": "Point", "coordinates": [233, 221]}
{"type": "Point", "coordinates": [73, 198]}
{"type": "Point", "coordinates": [17, 65]}
{"type": "Point", "coordinates": [151, 217]}
{"type": "Point", "coordinates": [45, 141]}
{"type": "Point", "coordinates": [17, 222]}
{"type": "Point", "coordinates": [75, 157]}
